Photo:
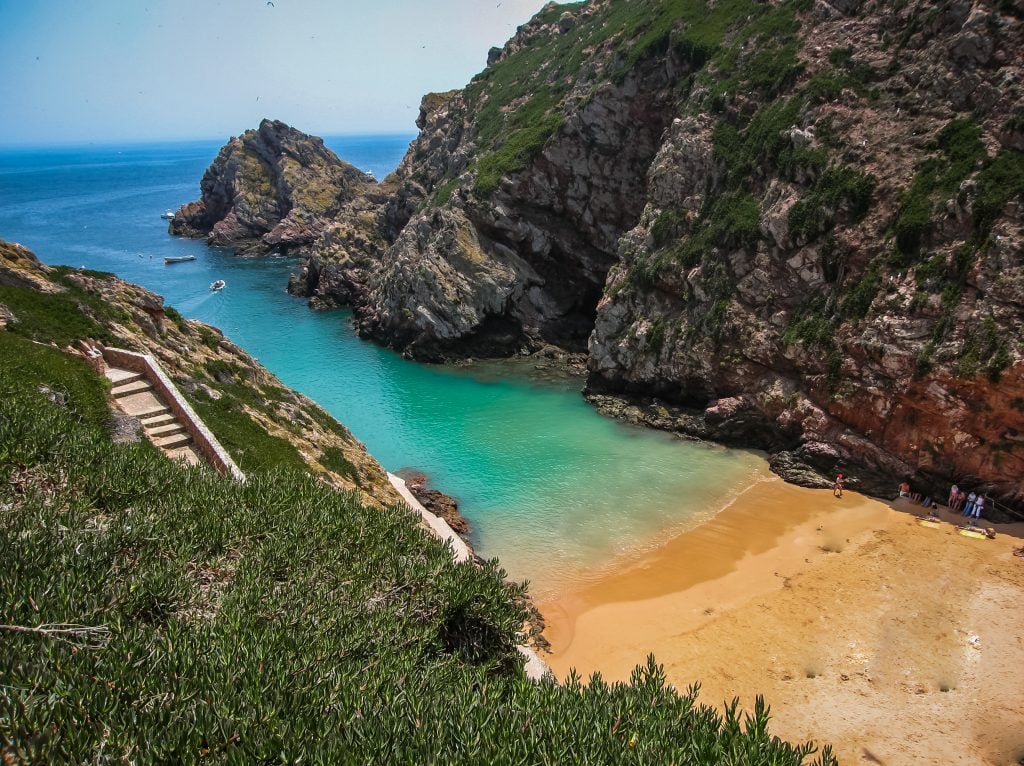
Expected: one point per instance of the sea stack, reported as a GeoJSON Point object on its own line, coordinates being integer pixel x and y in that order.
{"type": "Point", "coordinates": [270, 189]}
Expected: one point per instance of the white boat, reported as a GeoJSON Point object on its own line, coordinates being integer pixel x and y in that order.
{"type": "Point", "coordinates": [168, 216]}
{"type": "Point", "coordinates": [220, 284]}
{"type": "Point", "coordinates": [178, 259]}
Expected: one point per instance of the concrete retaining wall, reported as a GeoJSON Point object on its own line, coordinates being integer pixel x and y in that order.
{"type": "Point", "coordinates": [203, 439]}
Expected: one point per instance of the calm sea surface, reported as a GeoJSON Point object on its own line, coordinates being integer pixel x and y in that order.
{"type": "Point", "coordinates": [551, 488]}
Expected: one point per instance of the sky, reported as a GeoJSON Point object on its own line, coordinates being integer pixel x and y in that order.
{"type": "Point", "coordinates": [80, 71]}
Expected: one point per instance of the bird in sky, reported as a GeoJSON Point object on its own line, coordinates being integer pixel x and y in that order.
{"type": "Point", "coordinates": [270, 3]}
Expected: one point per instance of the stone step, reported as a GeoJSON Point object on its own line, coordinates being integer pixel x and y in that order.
{"type": "Point", "coordinates": [166, 429]}
{"type": "Point", "coordinates": [170, 442]}
{"type": "Point", "coordinates": [127, 389]}
{"type": "Point", "coordinates": [118, 376]}
{"type": "Point", "coordinates": [143, 405]}
{"type": "Point", "coordinates": [158, 420]}
{"type": "Point", "coordinates": [185, 454]}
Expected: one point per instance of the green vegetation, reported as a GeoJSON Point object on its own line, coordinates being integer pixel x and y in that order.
{"type": "Point", "coordinates": [836, 188]}
{"type": "Point", "coordinates": [334, 459]}
{"type": "Point", "coordinates": [517, 104]}
{"type": "Point", "coordinates": [762, 145]}
{"type": "Point", "coordinates": [960, 151]}
{"type": "Point", "coordinates": [983, 349]}
{"type": "Point", "coordinates": [667, 227]}
{"type": "Point", "coordinates": [155, 613]}
{"type": "Point", "coordinates": [860, 297]}
{"type": "Point", "coordinates": [246, 441]}
{"type": "Point", "coordinates": [656, 337]}
{"type": "Point", "coordinates": [998, 183]}
{"type": "Point", "coordinates": [733, 222]}
{"type": "Point", "coordinates": [811, 330]}
{"type": "Point", "coordinates": [60, 318]}
{"type": "Point", "coordinates": [175, 316]}
{"type": "Point", "coordinates": [84, 392]}
{"type": "Point", "coordinates": [514, 154]}
{"type": "Point", "coordinates": [849, 74]}
{"type": "Point", "coordinates": [443, 193]}
{"type": "Point", "coordinates": [210, 338]}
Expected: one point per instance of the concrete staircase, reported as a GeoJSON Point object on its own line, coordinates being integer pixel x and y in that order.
{"type": "Point", "coordinates": [135, 396]}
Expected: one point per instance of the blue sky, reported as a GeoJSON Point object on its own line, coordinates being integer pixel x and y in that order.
{"type": "Point", "coordinates": [113, 70]}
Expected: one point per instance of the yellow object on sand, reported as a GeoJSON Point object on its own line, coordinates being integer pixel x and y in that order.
{"type": "Point", "coordinates": [933, 523]}
{"type": "Point", "coordinates": [978, 533]}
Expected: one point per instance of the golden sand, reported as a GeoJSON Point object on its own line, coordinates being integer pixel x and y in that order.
{"type": "Point", "coordinates": [897, 643]}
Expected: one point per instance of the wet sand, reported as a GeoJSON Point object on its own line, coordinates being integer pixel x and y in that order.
{"type": "Point", "coordinates": [896, 643]}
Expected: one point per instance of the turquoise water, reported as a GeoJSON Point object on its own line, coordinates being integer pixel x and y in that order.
{"type": "Point", "coordinates": [551, 488]}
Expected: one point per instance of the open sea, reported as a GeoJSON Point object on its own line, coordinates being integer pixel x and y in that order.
{"type": "Point", "coordinates": [557, 492]}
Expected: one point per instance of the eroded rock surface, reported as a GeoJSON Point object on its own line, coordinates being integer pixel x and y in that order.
{"type": "Point", "coordinates": [270, 189]}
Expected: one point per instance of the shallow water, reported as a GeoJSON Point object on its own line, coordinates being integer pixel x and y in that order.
{"type": "Point", "coordinates": [550, 487]}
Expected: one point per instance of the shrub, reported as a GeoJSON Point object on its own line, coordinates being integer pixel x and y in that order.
{"type": "Point", "coordinates": [247, 443]}
{"type": "Point", "coordinates": [859, 299]}
{"type": "Point", "coordinates": [334, 459]}
{"type": "Point", "coordinates": [667, 227]}
{"type": "Point", "coordinates": [960, 150]}
{"type": "Point", "coordinates": [837, 187]}
{"type": "Point", "coordinates": [998, 183]}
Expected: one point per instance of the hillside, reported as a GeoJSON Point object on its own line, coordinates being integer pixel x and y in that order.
{"type": "Point", "coordinates": [261, 423]}
{"type": "Point", "coordinates": [793, 226]}
{"type": "Point", "coordinates": [158, 613]}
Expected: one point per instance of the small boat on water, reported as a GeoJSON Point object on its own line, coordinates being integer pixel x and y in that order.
{"type": "Point", "coordinates": [220, 284]}
{"type": "Point", "coordinates": [178, 259]}
{"type": "Point", "coordinates": [168, 216]}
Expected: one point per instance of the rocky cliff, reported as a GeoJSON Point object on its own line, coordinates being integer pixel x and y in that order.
{"type": "Point", "coordinates": [259, 421]}
{"type": "Point", "coordinates": [791, 225]}
{"type": "Point", "coordinates": [269, 189]}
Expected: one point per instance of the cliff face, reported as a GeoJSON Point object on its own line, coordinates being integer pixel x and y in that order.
{"type": "Point", "coordinates": [273, 188]}
{"type": "Point", "coordinates": [253, 410]}
{"type": "Point", "coordinates": [510, 203]}
{"type": "Point", "coordinates": [792, 225]}
{"type": "Point", "coordinates": [830, 264]}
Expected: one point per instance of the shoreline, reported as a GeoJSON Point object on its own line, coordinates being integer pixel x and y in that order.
{"type": "Point", "coordinates": [850, 618]}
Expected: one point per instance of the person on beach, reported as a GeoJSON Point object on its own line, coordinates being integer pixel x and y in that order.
{"type": "Point", "coordinates": [837, 488]}
{"type": "Point", "coordinates": [969, 505]}
{"type": "Point", "coordinates": [905, 489]}
{"type": "Point", "coordinates": [958, 501]}
{"type": "Point", "coordinates": [979, 506]}
{"type": "Point", "coordinates": [954, 493]}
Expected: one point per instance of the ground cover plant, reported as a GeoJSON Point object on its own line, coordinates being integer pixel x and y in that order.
{"type": "Point", "coordinates": [154, 613]}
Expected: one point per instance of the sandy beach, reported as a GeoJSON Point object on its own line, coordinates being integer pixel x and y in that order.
{"type": "Point", "coordinates": [894, 642]}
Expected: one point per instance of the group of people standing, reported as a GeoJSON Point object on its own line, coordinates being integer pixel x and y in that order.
{"type": "Point", "coordinates": [969, 505]}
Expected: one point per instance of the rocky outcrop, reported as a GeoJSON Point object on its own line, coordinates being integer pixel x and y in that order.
{"type": "Point", "coordinates": [270, 189]}
{"type": "Point", "coordinates": [467, 259]}
{"type": "Point", "coordinates": [437, 502]}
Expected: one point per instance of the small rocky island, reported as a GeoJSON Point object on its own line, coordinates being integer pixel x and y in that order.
{"type": "Point", "coordinates": [797, 228]}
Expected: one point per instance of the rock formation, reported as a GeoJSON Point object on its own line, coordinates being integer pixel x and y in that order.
{"type": "Point", "coordinates": [791, 225]}
{"type": "Point", "coordinates": [270, 189]}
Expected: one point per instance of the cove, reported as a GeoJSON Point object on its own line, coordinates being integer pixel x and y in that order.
{"type": "Point", "coordinates": [554, 490]}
